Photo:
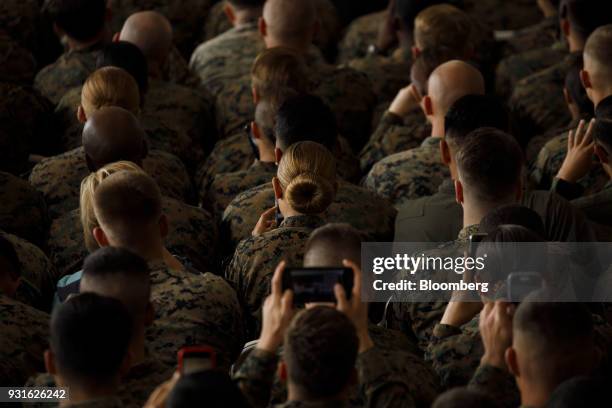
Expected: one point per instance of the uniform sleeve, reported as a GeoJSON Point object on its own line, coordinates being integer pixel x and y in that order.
{"type": "Point", "coordinates": [498, 383]}
{"type": "Point", "coordinates": [382, 386]}
{"type": "Point", "coordinates": [256, 375]}
{"type": "Point", "coordinates": [566, 189]}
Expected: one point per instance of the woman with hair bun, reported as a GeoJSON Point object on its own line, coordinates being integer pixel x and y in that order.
{"type": "Point", "coordinates": [304, 187]}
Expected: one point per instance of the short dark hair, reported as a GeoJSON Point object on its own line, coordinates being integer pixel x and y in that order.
{"type": "Point", "coordinates": [90, 336]}
{"type": "Point", "coordinates": [245, 4]}
{"type": "Point", "coordinates": [428, 60]}
{"type": "Point", "coordinates": [580, 392]}
{"type": "Point", "coordinates": [9, 260]}
{"type": "Point", "coordinates": [513, 214]}
{"type": "Point", "coordinates": [576, 90]}
{"type": "Point", "coordinates": [320, 351]}
{"type": "Point", "coordinates": [335, 242]}
{"type": "Point", "coordinates": [305, 118]}
{"type": "Point", "coordinates": [125, 55]}
{"type": "Point", "coordinates": [407, 10]}
{"type": "Point", "coordinates": [79, 19]}
{"type": "Point", "coordinates": [462, 397]}
{"type": "Point", "coordinates": [602, 134]}
{"type": "Point", "coordinates": [471, 112]}
{"type": "Point", "coordinates": [213, 386]}
{"type": "Point", "coordinates": [490, 164]}
{"type": "Point", "coordinates": [586, 15]}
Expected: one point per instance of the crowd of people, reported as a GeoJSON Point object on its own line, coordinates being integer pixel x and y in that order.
{"type": "Point", "coordinates": [164, 163]}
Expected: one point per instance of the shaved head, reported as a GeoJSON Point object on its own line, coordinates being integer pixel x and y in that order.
{"type": "Point", "coordinates": [598, 59]}
{"type": "Point", "coordinates": [451, 81]}
{"type": "Point", "coordinates": [289, 22]}
{"type": "Point", "coordinates": [112, 134]}
{"type": "Point", "coordinates": [329, 245]}
{"type": "Point", "coordinates": [151, 32]}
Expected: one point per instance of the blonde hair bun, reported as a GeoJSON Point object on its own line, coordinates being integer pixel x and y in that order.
{"type": "Point", "coordinates": [309, 194]}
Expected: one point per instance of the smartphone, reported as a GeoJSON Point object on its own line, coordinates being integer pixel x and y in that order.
{"type": "Point", "coordinates": [312, 285]}
{"type": "Point", "coordinates": [475, 240]}
{"type": "Point", "coordinates": [521, 284]}
{"type": "Point", "coordinates": [278, 216]}
{"type": "Point", "coordinates": [196, 359]}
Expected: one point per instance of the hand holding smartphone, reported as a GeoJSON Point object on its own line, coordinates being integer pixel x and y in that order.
{"type": "Point", "coordinates": [195, 359]}
{"type": "Point", "coordinates": [316, 285]}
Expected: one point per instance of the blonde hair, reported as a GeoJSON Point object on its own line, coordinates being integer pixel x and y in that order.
{"type": "Point", "coordinates": [110, 86]}
{"type": "Point", "coordinates": [445, 26]}
{"type": "Point", "coordinates": [307, 174]}
{"type": "Point", "coordinates": [89, 185]}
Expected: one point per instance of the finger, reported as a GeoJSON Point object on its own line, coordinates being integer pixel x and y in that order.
{"type": "Point", "coordinates": [588, 137]}
{"type": "Point", "coordinates": [356, 277]}
{"type": "Point", "coordinates": [579, 132]}
{"type": "Point", "coordinates": [287, 303]}
{"type": "Point", "coordinates": [340, 297]}
{"type": "Point", "coordinates": [268, 213]}
{"type": "Point", "coordinates": [277, 279]}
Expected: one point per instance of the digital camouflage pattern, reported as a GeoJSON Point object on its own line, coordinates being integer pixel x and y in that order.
{"type": "Point", "coordinates": [252, 266]}
{"type": "Point", "coordinates": [356, 206]}
{"type": "Point", "coordinates": [226, 186]}
{"type": "Point", "coordinates": [380, 383]}
{"type": "Point", "coordinates": [17, 64]}
{"type": "Point", "coordinates": [21, 20]}
{"type": "Point", "coordinates": [549, 161]}
{"type": "Point", "coordinates": [360, 34]}
{"type": "Point", "coordinates": [192, 234]}
{"type": "Point", "coordinates": [393, 135]}
{"type": "Point", "coordinates": [537, 100]}
{"type": "Point", "coordinates": [25, 337]}
{"type": "Point", "coordinates": [536, 143]}
{"type": "Point", "coordinates": [194, 309]}
{"type": "Point", "coordinates": [38, 274]}
{"type": "Point", "coordinates": [59, 178]}
{"type": "Point", "coordinates": [23, 211]}
{"type": "Point", "coordinates": [521, 65]}
{"type": "Point", "coordinates": [216, 22]}
{"type": "Point", "coordinates": [597, 206]}
{"type": "Point", "coordinates": [505, 15]}
{"type": "Point", "coordinates": [410, 174]}
{"type": "Point", "coordinates": [540, 35]}
{"type": "Point", "coordinates": [135, 388]}
{"type": "Point", "coordinates": [33, 114]}
{"type": "Point", "coordinates": [498, 383]}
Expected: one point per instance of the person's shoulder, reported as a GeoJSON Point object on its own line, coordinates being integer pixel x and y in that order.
{"type": "Point", "coordinates": [61, 162]}
{"type": "Point", "coordinates": [262, 192]}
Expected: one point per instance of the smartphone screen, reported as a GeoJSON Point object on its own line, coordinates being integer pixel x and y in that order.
{"type": "Point", "coordinates": [194, 360]}
{"type": "Point", "coordinates": [521, 284]}
{"type": "Point", "coordinates": [475, 239]}
{"type": "Point", "coordinates": [312, 285]}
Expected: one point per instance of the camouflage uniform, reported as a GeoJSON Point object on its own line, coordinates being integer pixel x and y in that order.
{"type": "Point", "coordinates": [536, 143]}
{"type": "Point", "coordinates": [194, 309]}
{"type": "Point", "coordinates": [549, 162]}
{"type": "Point", "coordinates": [360, 34]}
{"type": "Point", "coordinates": [21, 20]}
{"type": "Point", "coordinates": [34, 115]}
{"type": "Point", "coordinates": [393, 135]}
{"type": "Point", "coordinates": [70, 70]}
{"type": "Point", "coordinates": [216, 22]}
{"type": "Point", "coordinates": [25, 334]}
{"type": "Point", "coordinates": [135, 388]}
{"type": "Point", "coordinates": [38, 274]}
{"type": "Point", "coordinates": [597, 207]}
{"type": "Point", "coordinates": [223, 65]}
{"type": "Point", "coordinates": [540, 35]}
{"type": "Point", "coordinates": [505, 15]}
{"type": "Point", "coordinates": [538, 102]}
{"type": "Point", "coordinates": [59, 178]}
{"type": "Point", "coordinates": [356, 206]}
{"type": "Point", "coordinates": [23, 211]}
{"type": "Point", "coordinates": [498, 383]}
{"type": "Point", "coordinates": [16, 63]}
{"type": "Point", "coordinates": [192, 234]}
{"type": "Point", "coordinates": [256, 258]}
{"type": "Point", "coordinates": [379, 381]}
{"type": "Point", "coordinates": [226, 186]}
{"type": "Point", "coordinates": [410, 174]}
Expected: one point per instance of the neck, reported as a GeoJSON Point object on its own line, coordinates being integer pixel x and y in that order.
{"type": "Point", "coordinates": [599, 95]}
{"type": "Point", "coordinates": [83, 393]}
{"type": "Point", "coordinates": [286, 210]}
{"type": "Point", "coordinates": [473, 214]}
{"type": "Point", "coordinates": [575, 44]}
{"type": "Point", "coordinates": [437, 127]}
{"type": "Point", "coordinates": [301, 47]}
{"type": "Point", "coordinates": [535, 396]}
{"type": "Point", "coordinates": [294, 393]}
{"type": "Point", "coordinates": [266, 155]}
{"type": "Point", "coordinates": [75, 45]}
{"type": "Point", "coordinates": [149, 252]}
{"type": "Point", "coordinates": [246, 16]}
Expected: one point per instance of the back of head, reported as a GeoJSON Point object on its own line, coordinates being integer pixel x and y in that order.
{"type": "Point", "coordinates": [464, 398]}
{"type": "Point", "coordinates": [513, 214]}
{"type": "Point", "coordinates": [112, 134]}
{"type": "Point", "coordinates": [305, 118]}
{"type": "Point", "coordinates": [81, 20]}
{"type": "Point", "coordinates": [127, 56]}
{"type": "Point", "coordinates": [602, 134]}
{"type": "Point", "coordinates": [575, 89]}
{"type": "Point", "coordinates": [489, 166]}
{"type": "Point", "coordinates": [128, 207]}
{"type": "Point", "coordinates": [307, 174]}
{"type": "Point", "coordinates": [471, 112]}
{"type": "Point", "coordinates": [247, 4]}
{"type": "Point", "coordinates": [452, 80]}
{"type": "Point", "coordinates": [279, 73]}
{"type": "Point", "coordinates": [151, 32]}
{"type": "Point", "coordinates": [556, 338]}
{"type": "Point", "coordinates": [290, 21]}
{"type": "Point", "coordinates": [90, 335]}
{"type": "Point", "coordinates": [88, 188]}
{"type": "Point", "coordinates": [580, 392]}
{"type": "Point", "coordinates": [213, 386]}
{"type": "Point", "coordinates": [443, 25]}
{"type": "Point", "coordinates": [119, 274]}
{"type": "Point", "coordinates": [329, 245]}
{"type": "Point", "coordinates": [598, 57]}
{"type": "Point", "coordinates": [406, 11]}
{"type": "Point", "coordinates": [110, 86]}
{"type": "Point", "coordinates": [320, 352]}
{"type": "Point", "coordinates": [428, 60]}
{"type": "Point", "coordinates": [265, 114]}
{"type": "Point", "coordinates": [585, 16]}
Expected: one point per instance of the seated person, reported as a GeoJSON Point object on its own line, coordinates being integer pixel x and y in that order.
{"type": "Point", "coordinates": [191, 234]}
{"type": "Point", "coordinates": [111, 133]}
{"type": "Point", "coordinates": [462, 397]}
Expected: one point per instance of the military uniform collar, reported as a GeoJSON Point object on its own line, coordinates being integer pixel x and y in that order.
{"type": "Point", "coordinates": [242, 28]}
{"type": "Point", "coordinates": [302, 221]}
{"type": "Point", "coordinates": [465, 233]}
{"type": "Point", "coordinates": [267, 166]}
{"type": "Point", "coordinates": [90, 48]}
{"type": "Point", "coordinates": [431, 141]}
